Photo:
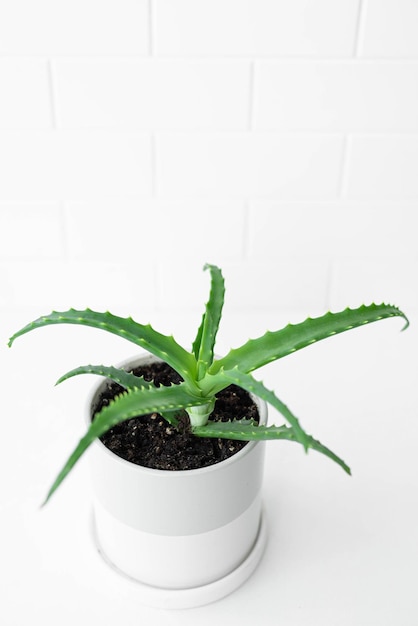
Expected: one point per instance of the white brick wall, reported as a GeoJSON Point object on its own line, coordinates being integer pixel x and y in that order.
{"type": "Point", "coordinates": [152, 94]}
{"type": "Point", "coordinates": [249, 164]}
{"type": "Point", "coordinates": [141, 138]}
{"type": "Point", "coordinates": [336, 96]}
{"type": "Point", "coordinates": [255, 27]}
{"type": "Point", "coordinates": [51, 28]}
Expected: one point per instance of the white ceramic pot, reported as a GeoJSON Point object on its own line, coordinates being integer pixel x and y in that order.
{"type": "Point", "coordinates": [187, 537]}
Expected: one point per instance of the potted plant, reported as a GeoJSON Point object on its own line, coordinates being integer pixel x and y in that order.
{"type": "Point", "coordinates": [189, 531]}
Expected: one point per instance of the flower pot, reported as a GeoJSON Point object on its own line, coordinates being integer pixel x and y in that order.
{"type": "Point", "coordinates": [187, 537]}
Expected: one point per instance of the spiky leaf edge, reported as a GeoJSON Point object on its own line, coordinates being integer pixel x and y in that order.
{"type": "Point", "coordinates": [249, 430]}
{"type": "Point", "coordinates": [162, 346]}
{"type": "Point", "coordinates": [126, 379]}
{"type": "Point", "coordinates": [126, 406]}
{"type": "Point", "coordinates": [204, 343]}
{"type": "Point", "coordinates": [256, 387]}
{"type": "Point", "coordinates": [274, 345]}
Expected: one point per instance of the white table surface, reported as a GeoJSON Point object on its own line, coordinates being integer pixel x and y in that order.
{"type": "Point", "coordinates": [341, 550]}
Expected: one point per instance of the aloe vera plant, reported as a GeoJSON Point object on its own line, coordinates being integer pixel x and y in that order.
{"type": "Point", "coordinates": [204, 375]}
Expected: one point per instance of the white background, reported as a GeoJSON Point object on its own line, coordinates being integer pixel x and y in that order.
{"type": "Point", "coordinates": [279, 139]}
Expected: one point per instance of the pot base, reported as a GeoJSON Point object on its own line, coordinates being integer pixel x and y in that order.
{"type": "Point", "coordinates": [162, 598]}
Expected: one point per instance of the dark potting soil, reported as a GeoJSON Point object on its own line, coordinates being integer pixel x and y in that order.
{"type": "Point", "coordinates": [150, 441]}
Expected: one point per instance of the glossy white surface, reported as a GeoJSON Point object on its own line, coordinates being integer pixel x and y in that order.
{"type": "Point", "coordinates": [340, 551]}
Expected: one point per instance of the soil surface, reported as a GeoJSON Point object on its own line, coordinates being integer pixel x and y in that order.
{"type": "Point", "coordinates": [150, 441]}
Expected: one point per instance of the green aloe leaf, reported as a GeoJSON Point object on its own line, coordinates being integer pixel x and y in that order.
{"type": "Point", "coordinates": [127, 380]}
{"type": "Point", "coordinates": [123, 407]}
{"type": "Point", "coordinates": [248, 430]}
{"type": "Point", "coordinates": [247, 382]}
{"type": "Point", "coordinates": [172, 417]}
{"type": "Point", "coordinates": [120, 376]}
{"type": "Point", "coordinates": [204, 343]}
{"type": "Point", "coordinates": [162, 346]}
{"type": "Point", "coordinates": [274, 345]}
